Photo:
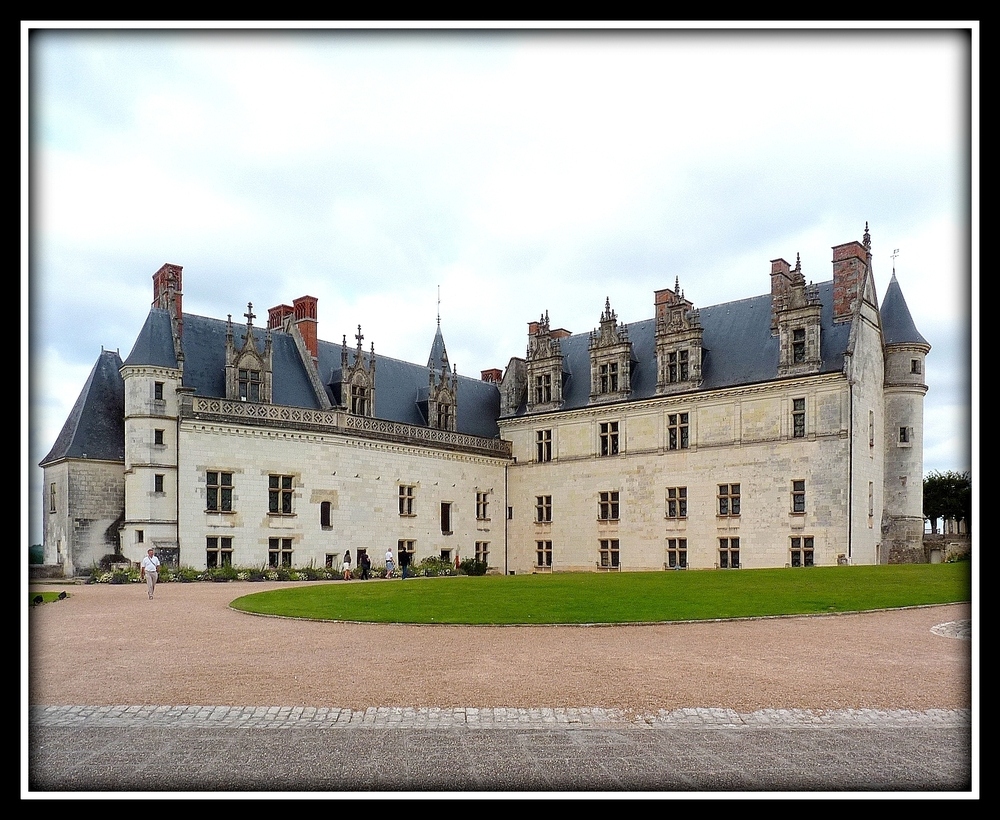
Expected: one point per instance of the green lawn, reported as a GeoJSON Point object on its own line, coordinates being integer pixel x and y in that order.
{"type": "Point", "coordinates": [574, 598]}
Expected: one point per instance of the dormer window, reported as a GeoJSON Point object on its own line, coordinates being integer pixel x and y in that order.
{"type": "Point", "coordinates": [677, 366]}
{"type": "Point", "coordinates": [249, 383]}
{"type": "Point", "coordinates": [609, 377]}
{"type": "Point", "coordinates": [359, 400]}
{"type": "Point", "coordinates": [798, 345]}
{"type": "Point", "coordinates": [543, 389]}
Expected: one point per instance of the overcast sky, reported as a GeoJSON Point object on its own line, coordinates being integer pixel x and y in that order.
{"type": "Point", "coordinates": [515, 172]}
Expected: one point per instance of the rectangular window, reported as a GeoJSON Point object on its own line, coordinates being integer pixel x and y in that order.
{"type": "Point", "coordinates": [331, 560]}
{"type": "Point", "coordinates": [218, 491]}
{"type": "Point", "coordinates": [359, 400]}
{"type": "Point", "coordinates": [325, 510]}
{"type": "Point", "coordinates": [158, 391]}
{"type": "Point", "coordinates": [677, 366]}
{"type": "Point", "coordinates": [915, 365]}
{"type": "Point", "coordinates": [677, 431]}
{"type": "Point", "coordinates": [871, 501]}
{"type": "Point", "coordinates": [279, 552]}
{"type": "Point", "coordinates": [609, 438]}
{"type": "Point", "coordinates": [798, 418]}
{"type": "Point", "coordinates": [729, 553]}
{"type": "Point", "coordinates": [158, 483]}
{"type": "Point", "coordinates": [543, 508]}
{"type": "Point", "coordinates": [677, 553]}
{"type": "Point", "coordinates": [871, 428]}
{"type": "Point", "coordinates": [52, 497]}
{"type": "Point", "coordinates": [218, 551]}
{"type": "Point", "coordinates": [543, 445]}
{"type": "Point", "coordinates": [609, 377]}
{"type": "Point", "coordinates": [677, 502]}
{"type": "Point", "coordinates": [482, 506]}
{"type": "Point", "coordinates": [280, 494]}
{"type": "Point", "coordinates": [483, 552]}
{"type": "Point", "coordinates": [729, 499]}
{"type": "Point", "coordinates": [406, 495]}
{"type": "Point", "coordinates": [798, 496]}
{"type": "Point", "coordinates": [140, 536]}
{"type": "Point", "coordinates": [609, 552]}
{"type": "Point", "coordinates": [446, 518]}
{"type": "Point", "coordinates": [404, 545]}
{"type": "Point", "coordinates": [249, 381]}
{"type": "Point", "coordinates": [904, 435]}
{"type": "Point", "coordinates": [607, 507]}
{"type": "Point", "coordinates": [543, 553]}
{"type": "Point", "coordinates": [158, 437]}
{"type": "Point", "coordinates": [798, 345]}
{"type": "Point", "coordinates": [801, 554]}
{"type": "Point", "coordinates": [543, 389]}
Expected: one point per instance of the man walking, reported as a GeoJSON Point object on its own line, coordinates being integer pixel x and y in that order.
{"type": "Point", "coordinates": [404, 561]}
{"type": "Point", "coordinates": [149, 571]}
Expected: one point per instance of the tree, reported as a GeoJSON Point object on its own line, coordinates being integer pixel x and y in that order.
{"type": "Point", "coordinates": [948, 495]}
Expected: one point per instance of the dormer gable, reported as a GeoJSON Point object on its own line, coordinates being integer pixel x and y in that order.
{"type": "Point", "coordinates": [358, 379]}
{"type": "Point", "coordinates": [442, 386]}
{"type": "Point", "coordinates": [795, 319]}
{"type": "Point", "coordinates": [544, 364]}
{"type": "Point", "coordinates": [248, 369]}
{"type": "Point", "coordinates": [610, 359]}
{"type": "Point", "coordinates": [678, 341]}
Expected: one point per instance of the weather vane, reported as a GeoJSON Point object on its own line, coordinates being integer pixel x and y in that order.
{"type": "Point", "coordinates": [894, 254]}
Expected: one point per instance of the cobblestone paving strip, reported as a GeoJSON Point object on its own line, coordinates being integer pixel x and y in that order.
{"type": "Point", "coordinates": [289, 717]}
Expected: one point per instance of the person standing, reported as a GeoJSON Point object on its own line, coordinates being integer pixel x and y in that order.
{"type": "Point", "coordinates": [404, 561]}
{"type": "Point", "coordinates": [149, 571]}
{"type": "Point", "coordinates": [389, 563]}
{"type": "Point", "coordinates": [346, 566]}
{"type": "Point", "coordinates": [366, 566]}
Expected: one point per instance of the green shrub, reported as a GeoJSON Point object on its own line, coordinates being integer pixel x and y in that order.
{"type": "Point", "coordinates": [434, 565]}
{"type": "Point", "coordinates": [186, 575]}
{"type": "Point", "coordinates": [470, 566]}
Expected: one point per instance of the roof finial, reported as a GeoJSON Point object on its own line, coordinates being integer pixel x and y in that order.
{"type": "Point", "coordinates": [868, 239]}
{"type": "Point", "coordinates": [894, 254]}
{"type": "Point", "coordinates": [250, 314]}
{"type": "Point", "coordinates": [677, 286]}
{"type": "Point", "coordinates": [439, 306]}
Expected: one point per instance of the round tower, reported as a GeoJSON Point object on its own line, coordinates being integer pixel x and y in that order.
{"type": "Point", "coordinates": [904, 391]}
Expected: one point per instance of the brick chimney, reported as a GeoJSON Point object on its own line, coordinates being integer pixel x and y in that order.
{"type": "Point", "coordinates": [781, 277]}
{"type": "Point", "coordinates": [306, 322]}
{"type": "Point", "coordinates": [849, 267]}
{"type": "Point", "coordinates": [276, 316]}
{"type": "Point", "coordinates": [493, 376]}
{"type": "Point", "coordinates": [168, 293]}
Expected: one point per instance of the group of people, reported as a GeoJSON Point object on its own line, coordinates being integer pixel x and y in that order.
{"type": "Point", "coordinates": [365, 563]}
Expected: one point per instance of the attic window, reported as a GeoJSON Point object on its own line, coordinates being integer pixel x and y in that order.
{"type": "Point", "coordinates": [249, 381]}
{"type": "Point", "coordinates": [798, 345]}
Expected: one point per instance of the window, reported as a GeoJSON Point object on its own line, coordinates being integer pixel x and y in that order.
{"type": "Point", "coordinates": [871, 428]}
{"type": "Point", "coordinates": [218, 551]}
{"type": "Point", "coordinates": [543, 508]}
{"type": "Point", "coordinates": [444, 416]}
{"type": "Point", "coordinates": [677, 502]}
{"type": "Point", "coordinates": [609, 438]}
{"type": "Point", "coordinates": [609, 377]}
{"type": "Point", "coordinates": [280, 494]}
{"type": "Point", "coordinates": [446, 518]}
{"type": "Point", "coordinates": [677, 366]}
{"type": "Point", "coordinates": [677, 553]}
{"type": "Point", "coordinates": [249, 383]}
{"type": "Point", "coordinates": [543, 553]}
{"type": "Point", "coordinates": [677, 431]}
{"type": "Point", "coordinates": [331, 560]}
{"type": "Point", "coordinates": [483, 552]}
{"type": "Point", "coordinates": [325, 509]}
{"type": "Point", "coordinates": [798, 418]}
{"type": "Point", "coordinates": [915, 365]}
{"type": "Point", "coordinates": [279, 552]}
{"type": "Point", "coordinates": [729, 553]}
{"type": "Point", "coordinates": [904, 435]}
{"type": "Point", "coordinates": [482, 506]}
{"type": "Point", "coordinates": [140, 536]}
{"type": "Point", "coordinates": [158, 437]}
{"type": "Point", "coordinates": [729, 499]}
{"type": "Point", "coordinates": [404, 545]}
{"type": "Point", "coordinates": [609, 552]}
{"type": "Point", "coordinates": [543, 389]}
{"type": "Point", "coordinates": [406, 493]}
{"type": "Point", "coordinates": [52, 497]}
{"type": "Point", "coordinates": [543, 445]}
{"type": "Point", "coordinates": [218, 491]}
{"type": "Point", "coordinates": [158, 483]}
{"type": "Point", "coordinates": [607, 508]}
{"type": "Point", "coordinates": [158, 391]}
{"type": "Point", "coordinates": [446, 555]}
{"type": "Point", "coordinates": [798, 496]}
{"type": "Point", "coordinates": [802, 552]}
{"type": "Point", "coordinates": [359, 400]}
{"type": "Point", "coordinates": [798, 345]}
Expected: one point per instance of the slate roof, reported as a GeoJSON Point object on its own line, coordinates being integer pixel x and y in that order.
{"type": "Point", "coordinates": [897, 324]}
{"type": "Point", "coordinates": [400, 387]}
{"type": "Point", "coordinates": [95, 428]}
